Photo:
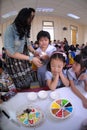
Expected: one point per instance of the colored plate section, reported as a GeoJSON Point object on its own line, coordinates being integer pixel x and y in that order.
{"type": "Point", "coordinates": [64, 102]}
{"type": "Point", "coordinates": [59, 113]}
{"type": "Point", "coordinates": [69, 109]}
{"type": "Point", "coordinates": [54, 111]}
{"type": "Point", "coordinates": [59, 102]}
{"type": "Point", "coordinates": [55, 105]}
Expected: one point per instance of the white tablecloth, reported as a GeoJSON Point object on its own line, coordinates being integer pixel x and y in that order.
{"type": "Point", "coordinates": [71, 123]}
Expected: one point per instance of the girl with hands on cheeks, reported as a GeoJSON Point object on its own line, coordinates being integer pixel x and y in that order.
{"type": "Point", "coordinates": [55, 75]}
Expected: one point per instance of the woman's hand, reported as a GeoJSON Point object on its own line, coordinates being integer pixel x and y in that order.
{"type": "Point", "coordinates": [36, 54]}
{"type": "Point", "coordinates": [83, 77]}
{"type": "Point", "coordinates": [37, 62]}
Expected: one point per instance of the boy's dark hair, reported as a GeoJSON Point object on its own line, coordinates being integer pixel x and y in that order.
{"type": "Point", "coordinates": [3, 48]}
{"type": "Point", "coordinates": [77, 45]}
{"type": "Point", "coordinates": [81, 60]}
{"type": "Point", "coordinates": [55, 56]}
{"type": "Point", "coordinates": [43, 34]}
{"type": "Point", "coordinates": [21, 22]}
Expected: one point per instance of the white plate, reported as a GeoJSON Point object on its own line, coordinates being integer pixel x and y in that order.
{"type": "Point", "coordinates": [61, 108]}
{"type": "Point", "coordinates": [35, 114]}
{"type": "Point", "coordinates": [54, 95]}
{"type": "Point", "coordinates": [42, 94]}
{"type": "Point", "coordinates": [32, 96]}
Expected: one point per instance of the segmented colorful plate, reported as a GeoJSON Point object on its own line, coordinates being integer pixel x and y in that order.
{"type": "Point", "coordinates": [61, 108]}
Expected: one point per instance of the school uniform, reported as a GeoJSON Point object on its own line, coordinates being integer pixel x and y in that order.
{"type": "Point", "coordinates": [49, 76]}
{"type": "Point", "coordinates": [41, 70]}
{"type": "Point", "coordinates": [72, 76]}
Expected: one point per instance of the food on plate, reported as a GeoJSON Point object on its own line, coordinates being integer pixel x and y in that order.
{"type": "Point", "coordinates": [61, 108]}
{"type": "Point", "coordinates": [31, 116]}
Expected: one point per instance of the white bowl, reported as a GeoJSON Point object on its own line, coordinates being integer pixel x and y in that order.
{"type": "Point", "coordinates": [32, 96]}
{"type": "Point", "coordinates": [42, 94]}
{"type": "Point", "coordinates": [54, 95]}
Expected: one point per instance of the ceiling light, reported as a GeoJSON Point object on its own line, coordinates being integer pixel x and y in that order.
{"type": "Point", "coordinates": [73, 16]}
{"type": "Point", "coordinates": [12, 13]}
{"type": "Point", "coordinates": [44, 9]}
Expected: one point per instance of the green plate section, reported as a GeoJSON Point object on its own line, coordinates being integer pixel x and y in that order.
{"type": "Point", "coordinates": [64, 101]}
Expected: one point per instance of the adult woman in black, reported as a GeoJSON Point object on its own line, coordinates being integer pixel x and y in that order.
{"type": "Point", "coordinates": [16, 42]}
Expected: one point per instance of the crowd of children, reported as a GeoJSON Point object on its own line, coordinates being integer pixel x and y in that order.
{"type": "Point", "coordinates": [61, 67]}
{"type": "Point", "coordinates": [56, 72]}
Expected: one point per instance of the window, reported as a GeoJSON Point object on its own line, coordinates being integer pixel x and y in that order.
{"type": "Point", "coordinates": [49, 27]}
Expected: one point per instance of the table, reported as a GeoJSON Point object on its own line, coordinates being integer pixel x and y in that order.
{"type": "Point", "coordinates": [71, 123]}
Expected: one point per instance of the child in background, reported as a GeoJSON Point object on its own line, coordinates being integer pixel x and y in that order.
{"type": "Point", "coordinates": [78, 75]}
{"type": "Point", "coordinates": [72, 54]}
{"type": "Point", "coordinates": [45, 50]}
{"type": "Point", "coordinates": [56, 76]}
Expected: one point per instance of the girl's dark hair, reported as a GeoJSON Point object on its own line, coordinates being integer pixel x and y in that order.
{"type": "Point", "coordinates": [81, 60]}
{"type": "Point", "coordinates": [43, 34]}
{"type": "Point", "coordinates": [21, 22]}
{"type": "Point", "coordinates": [56, 56]}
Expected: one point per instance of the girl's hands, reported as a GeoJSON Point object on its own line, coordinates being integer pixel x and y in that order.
{"type": "Point", "coordinates": [60, 73]}
{"type": "Point", "coordinates": [84, 101]}
{"type": "Point", "coordinates": [55, 74]}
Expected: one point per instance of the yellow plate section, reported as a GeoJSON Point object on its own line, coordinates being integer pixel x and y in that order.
{"type": "Point", "coordinates": [55, 105]}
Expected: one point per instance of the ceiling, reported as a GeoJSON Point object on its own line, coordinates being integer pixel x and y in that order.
{"type": "Point", "coordinates": [61, 7]}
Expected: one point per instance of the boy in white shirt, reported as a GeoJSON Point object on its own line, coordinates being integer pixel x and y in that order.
{"type": "Point", "coordinates": [45, 50]}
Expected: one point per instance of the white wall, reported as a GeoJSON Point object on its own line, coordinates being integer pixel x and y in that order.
{"type": "Point", "coordinates": [59, 23]}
